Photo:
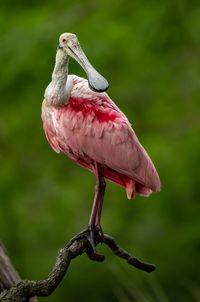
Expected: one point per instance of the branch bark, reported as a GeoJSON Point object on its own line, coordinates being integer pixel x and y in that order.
{"type": "Point", "coordinates": [9, 277]}
{"type": "Point", "coordinates": [8, 274]}
{"type": "Point", "coordinates": [75, 247]}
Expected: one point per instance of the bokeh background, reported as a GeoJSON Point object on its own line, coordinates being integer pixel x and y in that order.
{"type": "Point", "coordinates": [150, 53]}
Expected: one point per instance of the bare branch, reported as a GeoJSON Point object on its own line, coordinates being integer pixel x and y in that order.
{"type": "Point", "coordinates": [75, 247]}
{"type": "Point", "coordinates": [132, 260]}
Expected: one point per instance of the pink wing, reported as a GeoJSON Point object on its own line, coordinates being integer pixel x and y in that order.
{"type": "Point", "coordinates": [90, 127]}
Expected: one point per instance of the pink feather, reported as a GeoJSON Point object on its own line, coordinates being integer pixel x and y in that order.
{"type": "Point", "coordinates": [90, 128]}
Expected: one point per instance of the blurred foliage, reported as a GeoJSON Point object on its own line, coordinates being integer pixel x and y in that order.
{"type": "Point", "coordinates": [149, 52]}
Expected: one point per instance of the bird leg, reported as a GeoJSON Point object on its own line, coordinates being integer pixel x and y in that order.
{"type": "Point", "coordinates": [97, 203]}
{"type": "Point", "coordinates": [95, 217]}
{"type": "Point", "coordinates": [94, 229]}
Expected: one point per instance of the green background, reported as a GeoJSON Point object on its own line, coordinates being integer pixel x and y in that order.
{"type": "Point", "coordinates": [150, 53]}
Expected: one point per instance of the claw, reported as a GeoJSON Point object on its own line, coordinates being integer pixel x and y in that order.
{"type": "Point", "coordinates": [90, 233]}
{"type": "Point", "coordinates": [95, 231]}
{"type": "Point", "coordinates": [100, 233]}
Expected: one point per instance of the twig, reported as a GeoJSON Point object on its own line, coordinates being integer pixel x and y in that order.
{"type": "Point", "coordinates": [75, 247]}
{"type": "Point", "coordinates": [132, 260]}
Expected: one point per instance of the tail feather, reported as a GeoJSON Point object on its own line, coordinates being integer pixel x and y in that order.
{"type": "Point", "coordinates": [132, 186]}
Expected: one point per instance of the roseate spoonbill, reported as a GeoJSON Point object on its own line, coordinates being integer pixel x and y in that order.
{"type": "Point", "coordinates": [81, 121]}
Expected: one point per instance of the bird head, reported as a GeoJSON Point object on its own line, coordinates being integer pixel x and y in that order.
{"type": "Point", "coordinates": [70, 45]}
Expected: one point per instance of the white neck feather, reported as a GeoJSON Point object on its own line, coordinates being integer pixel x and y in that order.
{"type": "Point", "coordinates": [56, 92]}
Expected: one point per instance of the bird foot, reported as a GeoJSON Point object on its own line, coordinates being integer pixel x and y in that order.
{"type": "Point", "coordinates": [94, 234]}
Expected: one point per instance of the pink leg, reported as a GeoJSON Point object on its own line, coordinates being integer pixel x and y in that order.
{"type": "Point", "coordinates": [98, 198]}
{"type": "Point", "coordinates": [94, 227]}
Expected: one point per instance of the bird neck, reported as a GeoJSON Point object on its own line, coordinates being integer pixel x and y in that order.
{"type": "Point", "coordinates": [56, 91]}
{"type": "Point", "coordinates": [60, 70]}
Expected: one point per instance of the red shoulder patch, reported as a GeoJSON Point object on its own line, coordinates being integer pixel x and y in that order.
{"type": "Point", "coordinates": [87, 107]}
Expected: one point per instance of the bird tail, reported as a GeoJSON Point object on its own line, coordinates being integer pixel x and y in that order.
{"type": "Point", "coordinates": [132, 186]}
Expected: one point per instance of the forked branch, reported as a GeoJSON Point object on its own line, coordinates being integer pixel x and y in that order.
{"type": "Point", "coordinates": [75, 247]}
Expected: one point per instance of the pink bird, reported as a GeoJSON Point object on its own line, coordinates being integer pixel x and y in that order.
{"type": "Point", "coordinates": [80, 120]}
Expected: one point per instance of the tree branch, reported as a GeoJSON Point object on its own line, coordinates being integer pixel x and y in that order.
{"type": "Point", "coordinates": [75, 247]}
{"type": "Point", "coordinates": [8, 275]}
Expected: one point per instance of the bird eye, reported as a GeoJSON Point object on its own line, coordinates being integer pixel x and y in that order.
{"type": "Point", "coordinates": [64, 40]}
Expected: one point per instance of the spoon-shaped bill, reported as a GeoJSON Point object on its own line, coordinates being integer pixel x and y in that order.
{"type": "Point", "coordinates": [96, 81]}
